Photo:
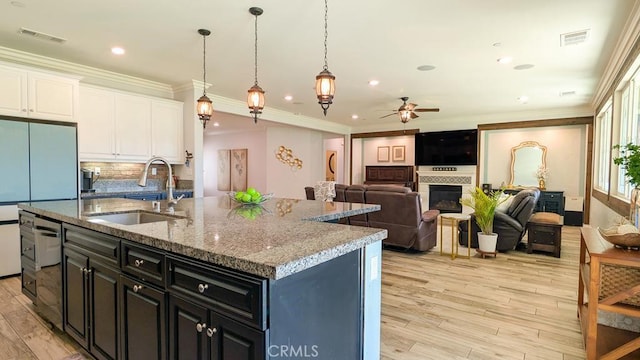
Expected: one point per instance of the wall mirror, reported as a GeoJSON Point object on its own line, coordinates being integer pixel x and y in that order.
{"type": "Point", "coordinates": [526, 158]}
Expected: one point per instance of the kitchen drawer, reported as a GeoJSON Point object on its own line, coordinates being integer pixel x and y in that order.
{"type": "Point", "coordinates": [103, 245]}
{"type": "Point", "coordinates": [28, 285]}
{"type": "Point", "coordinates": [143, 263]}
{"type": "Point", "coordinates": [27, 220]}
{"type": "Point", "coordinates": [242, 297]}
{"type": "Point", "coordinates": [28, 246]}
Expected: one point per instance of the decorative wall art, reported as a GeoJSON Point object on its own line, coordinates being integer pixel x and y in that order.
{"type": "Point", "coordinates": [383, 154]}
{"type": "Point", "coordinates": [397, 153]}
{"type": "Point", "coordinates": [238, 169]}
{"type": "Point", "coordinates": [285, 156]}
{"type": "Point", "coordinates": [331, 163]}
{"type": "Point", "coordinates": [224, 170]}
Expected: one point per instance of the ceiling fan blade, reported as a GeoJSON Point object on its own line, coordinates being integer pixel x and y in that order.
{"type": "Point", "coordinates": [413, 115]}
{"type": "Point", "coordinates": [427, 110]}
{"type": "Point", "coordinates": [410, 106]}
{"type": "Point", "coordinates": [382, 117]}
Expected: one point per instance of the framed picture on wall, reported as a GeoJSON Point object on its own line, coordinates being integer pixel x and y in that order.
{"type": "Point", "coordinates": [383, 154]}
{"type": "Point", "coordinates": [397, 153]}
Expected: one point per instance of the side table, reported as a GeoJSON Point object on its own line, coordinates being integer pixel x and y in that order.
{"type": "Point", "coordinates": [455, 219]}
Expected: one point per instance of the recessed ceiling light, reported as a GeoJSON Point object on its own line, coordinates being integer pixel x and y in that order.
{"type": "Point", "coordinates": [116, 50]}
{"type": "Point", "coordinates": [523, 67]}
{"type": "Point", "coordinates": [374, 82]}
{"type": "Point", "coordinates": [354, 116]}
{"type": "Point", "coordinates": [288, 97]}
{"type": "Point", "coordinates": [505, 59]}
{"type": "Point", "coordinates": [523, 99]}
{"type": "Point", "coordinates": [216, 124]}
{"type": "Point", "coordinates": [426, 67]}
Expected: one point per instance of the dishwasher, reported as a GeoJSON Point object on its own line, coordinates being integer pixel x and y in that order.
{"type": "Point", "coordinates": [41, 247]}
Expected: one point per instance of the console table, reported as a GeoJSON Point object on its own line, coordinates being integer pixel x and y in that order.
{"type": "Point", "coordinates": [601, 341]}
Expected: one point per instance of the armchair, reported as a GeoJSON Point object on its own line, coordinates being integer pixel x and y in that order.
{"type": "Point", "coordinates": [510, 225]}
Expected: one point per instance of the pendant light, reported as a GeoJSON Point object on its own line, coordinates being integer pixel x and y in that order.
{"type": "Point", "coordinates": [204, 106]}
{"type": "Point", "coordinates": [325, 81]}
{"type": "Point", "coordinates": [255, 97]}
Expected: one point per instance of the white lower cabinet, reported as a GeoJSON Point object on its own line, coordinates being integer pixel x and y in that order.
{"type": "Point", "coordinates": [116, 126]}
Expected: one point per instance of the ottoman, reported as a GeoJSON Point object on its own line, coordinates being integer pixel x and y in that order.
{"type": "Point", "coordinates": [545, 233]}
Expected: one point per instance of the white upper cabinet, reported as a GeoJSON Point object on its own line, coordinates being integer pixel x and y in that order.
{"type": "Point", "coordinates": [96, 128]}
{"type": "Point", "coordinates": [118, 126]}
{"type": "Point", "coordinates": [33, 94]}
{"type": "Point", "coordinates": [166, 130]}
{"type": "Point", "coordinates": [133, 127]}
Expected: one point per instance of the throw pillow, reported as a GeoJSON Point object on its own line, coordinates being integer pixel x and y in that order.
{"type": "Point", "coordinates": [506, 202]}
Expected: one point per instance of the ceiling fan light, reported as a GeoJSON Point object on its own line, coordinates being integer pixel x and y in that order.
{"type": "Point", "coordinates": [405, 115]}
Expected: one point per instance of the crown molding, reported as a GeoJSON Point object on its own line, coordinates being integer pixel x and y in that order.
{"type": "Point", "coordinates": [626, 42]}
{"type": "Point", "coordinates": [89, 74]}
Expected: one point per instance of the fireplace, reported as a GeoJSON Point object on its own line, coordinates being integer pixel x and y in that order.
{"type": "Point", "coordinates": [445, 198]}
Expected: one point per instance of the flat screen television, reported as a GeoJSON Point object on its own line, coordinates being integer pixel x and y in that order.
{"type": "Point", "coordinates": [447, 148]}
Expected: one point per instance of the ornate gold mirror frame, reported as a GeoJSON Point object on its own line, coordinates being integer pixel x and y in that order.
{"type": "Point", "coordinates": [526, 158]}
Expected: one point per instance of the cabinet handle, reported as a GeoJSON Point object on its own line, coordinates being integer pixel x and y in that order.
{"type": "Point", "coordinates": [211, 331]}
{"type": "Point", "coordinates": [137, 288]}
{"type": "Point", "coordinates": [87, 271]}
{"type": "Point", "coordinates": [83, 270]}
{"type": "Point", "coordinates": [138, 262]}
{"type": "Point", "coordinates": [24, 110]}
{"type": "Point", "coordinates": [28, 283]}
{"type": "Point", "coordinates": [200, 327]}
{"type": "Point", "coordinates": [202, 288]}
{"type": "Point", "coordinates": [26, 249]}
{"type": "Point", "coordinates": [30, 110]}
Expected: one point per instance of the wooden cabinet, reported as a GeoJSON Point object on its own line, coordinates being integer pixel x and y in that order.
{"type": "Point", "coordinates": [551, 201]}
{"type": "Point", "coordinates": [91, 286]}
{"type": "Point", "coordinates": [196, 332]}
{"type": "Point", "coordinates": [596, 254]}
{"type": "Point", "coordinates": [127, 127]}
{"type": "Point", "coordinates": [143, 329]}
{"type": "Point", "coordinates": [40, 95]}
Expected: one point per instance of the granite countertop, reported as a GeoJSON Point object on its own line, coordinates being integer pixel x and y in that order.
{"type": "Point", "coordinates": [283, 237]}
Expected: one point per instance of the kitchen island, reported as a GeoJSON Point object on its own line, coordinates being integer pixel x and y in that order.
{"type": "Point", "coordinates": [215, 280]}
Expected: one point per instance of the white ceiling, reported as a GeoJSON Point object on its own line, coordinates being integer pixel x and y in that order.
{"type": "Point", "coordinates": [368, 39]}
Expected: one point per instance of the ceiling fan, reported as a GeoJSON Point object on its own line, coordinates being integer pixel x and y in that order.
{"type": "Point", "coordinates": [407, 111]}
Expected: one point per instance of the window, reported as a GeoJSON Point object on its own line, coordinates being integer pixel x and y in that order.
{"type": "Point", "coordinates": [602, 155]}
{"type": "Point", "coordinates": [629, 111]}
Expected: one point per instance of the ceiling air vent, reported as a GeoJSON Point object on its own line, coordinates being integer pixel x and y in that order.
{"type": "Point", "coordinates": [574, 38]}
{"type": "Point", "coordinates": [41, 35]}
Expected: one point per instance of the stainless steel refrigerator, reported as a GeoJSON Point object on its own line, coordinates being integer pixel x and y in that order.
{"type": "Point", "coordinates": [39, 161]}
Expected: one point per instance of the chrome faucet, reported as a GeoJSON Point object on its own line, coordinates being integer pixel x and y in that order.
{"type": "Point", "coordinates": [170, 185]}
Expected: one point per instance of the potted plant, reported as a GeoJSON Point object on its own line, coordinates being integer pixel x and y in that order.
{"type": "Point", "coordinates": [629, 159]}
{"type": "Point", "coordinates": [484, 206]}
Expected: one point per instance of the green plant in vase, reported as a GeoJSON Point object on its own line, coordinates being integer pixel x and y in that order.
{"type": "Point", "coordinates": [484, 207]}
{"type": "Point", "coordinates": [629, 159]}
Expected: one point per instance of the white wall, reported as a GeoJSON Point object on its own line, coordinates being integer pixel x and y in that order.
{"type": "Point", "coordinates": [357, 161]}
{"type": "Point", "coordinates": [253, 141]}
{"type": "Point", "coordinates": [566, 156]}
{"type": "Point", "coordinates": [306, 145]}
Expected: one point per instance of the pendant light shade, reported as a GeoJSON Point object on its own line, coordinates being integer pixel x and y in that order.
{"type": "Point", "coordinates": [255, 96]}
{"type": "Point", "coordinates": [405, 116]}
{"type": "Point", "coordinates": [204, 105]}
{"type": "Point", "coordinates": [325, 81]}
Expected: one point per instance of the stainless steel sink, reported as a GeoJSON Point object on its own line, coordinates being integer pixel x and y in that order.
{"type": "Point", "coordinates": [132, 217]}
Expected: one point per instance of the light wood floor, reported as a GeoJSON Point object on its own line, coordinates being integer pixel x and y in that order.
{"type": "Point", "coordinates": [515, 306]}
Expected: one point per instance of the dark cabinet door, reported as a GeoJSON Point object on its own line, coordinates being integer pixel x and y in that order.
{"type": "Point", "coordinates": [76, 306]}
{"type": "Point", "coordinates": [104, 290]}
{"type": "Point", "coordinates": [187, 330]}
{"type": "Point", "coordinates": [231, 340]}
{"type": "Point", "coordinates": [143, 320]}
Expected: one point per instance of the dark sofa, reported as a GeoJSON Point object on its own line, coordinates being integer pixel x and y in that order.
{"type": "Point", "coordinates": [401, 214]}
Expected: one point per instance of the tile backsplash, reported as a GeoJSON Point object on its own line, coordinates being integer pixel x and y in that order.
{"type": "Point", "coordinates": [116, 176]}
